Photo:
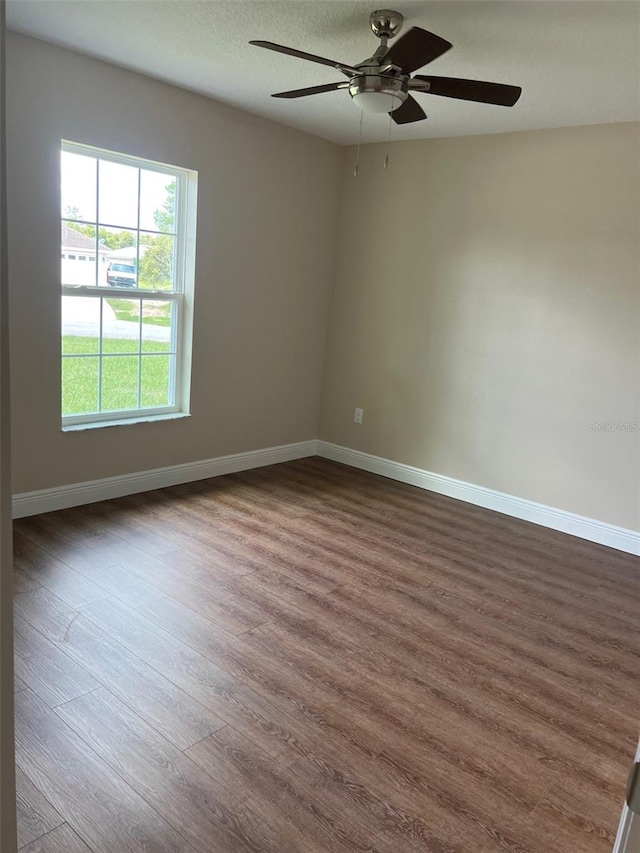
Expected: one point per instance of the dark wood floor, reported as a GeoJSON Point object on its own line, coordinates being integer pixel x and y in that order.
{"type": "Point", "coordinates": [309, 658]}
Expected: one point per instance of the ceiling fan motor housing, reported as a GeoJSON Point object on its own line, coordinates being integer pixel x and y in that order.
{"type": "Point", "coordinates": [373, 90]}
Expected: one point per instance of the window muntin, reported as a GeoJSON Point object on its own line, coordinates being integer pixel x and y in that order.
{"type": "Point", "coordinates": [125, 306]}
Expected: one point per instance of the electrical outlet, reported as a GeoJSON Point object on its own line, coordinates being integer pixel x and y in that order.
{"type": "Point", "coordinates": [357, 416]}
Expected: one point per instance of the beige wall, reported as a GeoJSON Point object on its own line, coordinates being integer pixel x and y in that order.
{"type": "Point", "coordinates": [267, 201]}
{"type": "Point", "coordinates": [486, 312]}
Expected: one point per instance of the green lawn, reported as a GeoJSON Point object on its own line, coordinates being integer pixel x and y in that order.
{"type": "Point", "coordinates": [156, 312]}
{"type": "Point", "coordinates": [120, 368]}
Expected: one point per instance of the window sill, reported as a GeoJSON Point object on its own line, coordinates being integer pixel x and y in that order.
{"type": "Point", "coordinates": [142, 419]}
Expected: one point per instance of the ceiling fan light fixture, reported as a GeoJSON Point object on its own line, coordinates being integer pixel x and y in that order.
{"type": "Point", "coordinates": [378, 93]}
{"type": "Point", "coordinates": [377, 102]}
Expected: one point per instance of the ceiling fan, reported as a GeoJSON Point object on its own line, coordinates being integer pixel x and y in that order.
{"type": "Point", "coordinates": [383, 83]}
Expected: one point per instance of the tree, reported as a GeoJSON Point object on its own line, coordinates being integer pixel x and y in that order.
{"type": "Point", "coordinates": [116, 240]}
{"type": "Point", "coordinates": [156, 265]}
{"type": "Point", "coordinates": [111, 239]}
{"type": "Point", "coordinates": [72, 212]}
{"type": "Point", "coordinates": [164, 216]}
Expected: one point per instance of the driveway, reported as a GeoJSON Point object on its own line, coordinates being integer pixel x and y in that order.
{"type": "Point", "coordinates": [81, 318]}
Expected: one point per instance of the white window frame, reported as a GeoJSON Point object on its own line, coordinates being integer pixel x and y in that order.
{"type": "Point", "coordinates": [181, 297]}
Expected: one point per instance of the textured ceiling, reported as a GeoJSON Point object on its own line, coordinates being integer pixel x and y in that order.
{"type": "Point", "coordinates": [577, 62]}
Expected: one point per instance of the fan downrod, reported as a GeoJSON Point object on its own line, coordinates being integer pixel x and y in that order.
{"type": "Point", "coordinates": [385, 23]}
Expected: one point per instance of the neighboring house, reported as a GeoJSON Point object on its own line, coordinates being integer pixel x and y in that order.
{"type": "Point", "coordinates": [78, 258]}
{"type": "Point", "coordinates": [127, 254]}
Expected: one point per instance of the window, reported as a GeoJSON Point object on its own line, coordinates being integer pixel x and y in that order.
{"type": "Point", "coordinates": [127, 309]}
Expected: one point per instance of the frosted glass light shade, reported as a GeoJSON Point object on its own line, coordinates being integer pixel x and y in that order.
{"type": "Point", "coordinates": [377, 102]}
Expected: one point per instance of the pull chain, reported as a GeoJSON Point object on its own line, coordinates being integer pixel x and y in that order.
{"type": "Point", "coordinates": [355, 169]}
{"type": "Point", "coordinates": [386, 155]}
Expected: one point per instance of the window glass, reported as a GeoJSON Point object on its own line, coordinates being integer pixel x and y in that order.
{"type": "Point", "coordinates": [118, 194]}
{"type": "Point", "coordinates": [78, 194]}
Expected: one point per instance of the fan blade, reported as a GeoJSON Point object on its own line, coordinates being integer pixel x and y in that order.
{"type": "Point", "coordinates": [468, 90]}
{"type": "Point", "coordinates": [311, 57]}
{"type": "Point", "coordinates": [408, 112]}
{"type": "Point", "coordinates": [417, 47]}
{"type": "Point", "coordinates": [312, 90]}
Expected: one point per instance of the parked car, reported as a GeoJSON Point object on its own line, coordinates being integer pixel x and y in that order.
{"type": "Point", "coordinates": [121, 274]}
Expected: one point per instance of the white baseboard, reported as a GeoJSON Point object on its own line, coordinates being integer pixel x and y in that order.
{"type": "Point", "coordinates": [547, 516]}
{"type": "Point", "coordinates": [76, 494]}
{"type": "Point", "coordinates": [62, 497]}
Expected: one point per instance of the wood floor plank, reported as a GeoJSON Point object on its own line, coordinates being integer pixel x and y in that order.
{"type": "Point", "coordinates": [412, 830]}
{"type": "Point", "coordinates": [504, 624]}
{"type": "Point", "coordinates": [104, 573]}
{"type": "Point", "coordinates": [84, 790]}
{"type": "Point", "coordinates": [131, 519]}
{"type": "Point", "coordinates": [107, 517]}
{"type": "Point", "coordinates": [482, 737]}
{"type": "Point", "coordinates": [474, 655]}
{"type": "Point", "coordinates": [215, 561]}
{"type": "Point", "coordinates": [585, 738]}
{"type": "Point", "coordinates": [458, 646]}
{"type": "Point", "coordinates": [299, 700]}
{"type": "Point", "coordinates": [158, 648]}
{"type": "Point", "coordinates": [50, 673]}
{"type": "Point", "coordinates": [35, 814]}
{"type": "Point", "coordinates": [308, 657]}
{"type": "Point", "coordinates": [24, 578]}
{"type": "Point", "coordinates": [173, 712]}
{"type": "Point", "coordinates": [50, 615]}
{"type": "Point", "coordinates": [573, 818]}
{"type": "Point", "coordinates": [251, 776]}
{"type": "Point", "coordinates": [36, 567]}
{"type": "Point", "coordinates": [187, 577]}
{"type": "Point", "coordinates": [461, 521]}
{"type": "Point", "coordinates": [341, 514]}
{"type": "Point", "coordinates": [60, 840]}
{"type": "Point", "coordinates": [157, 699]}
{"type": "Point", "coordinates": [69, 586]}
{"type": "Point", "coordinates": [456, 818]}
{"type": "Point", "coordinates": [197, 675]}
{"type": "Point", "coordinates": [198, 804]}
{"type": "Point", "coordinates": [444, 557]}
{"type": "Point", "coordinates": [202, 571]}
{"type": "Point", "coordinates": [229, 611]}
